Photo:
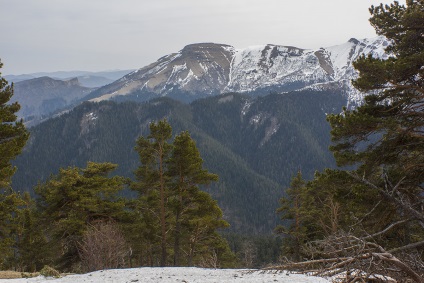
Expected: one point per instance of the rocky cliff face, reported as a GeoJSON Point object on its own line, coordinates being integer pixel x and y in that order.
{"type": "Point", "coordinates": [207, 69]}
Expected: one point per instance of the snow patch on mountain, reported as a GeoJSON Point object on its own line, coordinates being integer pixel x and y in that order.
{"type": "Point", "coordinates": [270, 130]}
{"type": "Point", "coordinates": [206, 69]}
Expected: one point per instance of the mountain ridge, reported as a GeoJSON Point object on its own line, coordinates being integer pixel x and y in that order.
{"type": "Point", "coordinates": [206, 69]}
{"type": "Point", "coordinates": [40, 97]}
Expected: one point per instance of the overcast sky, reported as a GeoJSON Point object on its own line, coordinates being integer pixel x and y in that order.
{"type": "Point", "coordinates": [98, 35]}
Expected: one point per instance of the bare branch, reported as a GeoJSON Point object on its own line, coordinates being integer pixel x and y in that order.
{"type": "Point", "coordinates": [385, 230]}
{"type": "Point", "coordinates": [404, 205]}
{"type": "Point", "coordinates": [407, 247]}
{"type": "Point", "coordinates": [357, 259]}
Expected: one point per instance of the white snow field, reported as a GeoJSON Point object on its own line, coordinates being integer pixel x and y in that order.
{"type": "Point", "coordinates": [176, 275]}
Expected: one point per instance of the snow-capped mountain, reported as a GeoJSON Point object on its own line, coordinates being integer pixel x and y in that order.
{"type": "Point", "coordinates": [206, 69]}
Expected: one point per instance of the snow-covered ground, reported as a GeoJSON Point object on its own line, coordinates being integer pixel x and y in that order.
{"type": "Point", "coordinates": [177, 275]}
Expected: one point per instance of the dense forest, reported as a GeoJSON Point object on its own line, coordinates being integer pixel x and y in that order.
{"type": "Point", "coordinates": [253, 163]}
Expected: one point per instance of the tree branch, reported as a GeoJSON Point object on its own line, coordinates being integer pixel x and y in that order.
{"type": "Point", "coordinates": [385, 230]}
{"type": "Point", "coordinates": [407, 247]}
{"type": "Point", "coordinates": [406, 207]}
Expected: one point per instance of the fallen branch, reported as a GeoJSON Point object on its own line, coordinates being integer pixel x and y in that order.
{"type": "Point", "coordinates": [364, 259]}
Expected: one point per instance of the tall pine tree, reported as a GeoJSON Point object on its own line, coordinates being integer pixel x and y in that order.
{"type": "Point", "coordinates": [13, 134]}
{"type": "Point", "coordinates": [385, 135]}
{"type": "Point", "coordinates": [175, 214]}
{"type": "Point", "coordinates": [152, 178]}
{"type": "Point", "coordinates": [384, 138]}
{"type": "Point", "coordinates": [13, 137]}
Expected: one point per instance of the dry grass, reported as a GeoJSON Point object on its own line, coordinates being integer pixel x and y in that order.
{"type": "Point", "coordinates": [15, 274]}
{"type": "Point", "coordinates": [10, 274]}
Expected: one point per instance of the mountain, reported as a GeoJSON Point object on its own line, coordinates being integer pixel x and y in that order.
{"type": "Point", "coordinates": [93, 81]}
{"type": "Point", "coordinates": [66, 75]}
{"type": "Point", "coordinates": [255, 144]}
{"type": "Point", "coordinates": [40, 97]}
{"type": "Point", "coordinates": [18, 78]}
{"type": "Point", "coordinates": [202, 70]}
{"type": "Point", "coordinates": [207, 69]}
{"type": "Point", "coordinates": [43, 94]}
{"type": "Point", "coordinates": [86, 79]}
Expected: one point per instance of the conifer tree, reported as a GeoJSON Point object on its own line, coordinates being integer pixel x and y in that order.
{"type": "Point", "coordinates": [13, 134]}
{"type": "Point", "coordinates": [186, 170]}
{"type": "Point", "coordinates": [71, 200]}
{"type": "Point", "coordinates": [152, 178]}
{"type": "Point", "coordinates": [383, 143]}
{"type": "Point", "coordinates": [31, 249]}
{"type": "Point", "coordinates": [171, 205]}
{"type": "Point", "coordinates": [384, 136]}
{"type": "Point", "coordinates": [9, 208]}
{"type": "Point", "coordinates": [296, 210]}
{"type": "Point", "coordinates": [13, 137]}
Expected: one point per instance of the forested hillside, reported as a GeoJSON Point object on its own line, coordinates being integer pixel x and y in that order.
{"type": "Point", "coordinates": [255, 146]}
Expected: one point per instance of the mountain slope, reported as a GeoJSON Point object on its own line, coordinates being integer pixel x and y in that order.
{"type": "Point", "coordinates": [254, 148]}
{"type": "Point", "coordinates": [201, 69]}
{"type": "Point", "coordinates": [206, 69]}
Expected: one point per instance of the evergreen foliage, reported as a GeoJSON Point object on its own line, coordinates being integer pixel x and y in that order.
{"type": "Point", "coordinates": [32, 249]}
{"type": "Point", "coordinates": [174, 213]}
{"type": "Point", "coordinates": [377, 200]}
{"type": "Point", "coordinates": [384, 137]}
{"type": "Point", "coordinates": [13, 134]}
{"type": "Point", "coordinates": [70, 201]}
{"type": "Point", "coordinates": [255, 251]}
{"type": "Point", "coordinates": [191, 206]}
{"type": "Point", "coordinates": [154, 152]}
{"type": "Point", "coordinates": [9, 207]}
{"type": "Point", "coordinates": [13, 137]}
{"type": "Point", "coordinates": [296, 212]}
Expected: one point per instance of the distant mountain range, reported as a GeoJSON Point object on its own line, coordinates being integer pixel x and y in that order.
{"type": "Point", "coordinates": [202, 70]}
{"type": "Point", "coordinates": [87, 79]}
{"type": "Point", "coordinates": [42, 95]}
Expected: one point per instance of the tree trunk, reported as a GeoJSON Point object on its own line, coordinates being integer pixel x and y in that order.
{"type": "Point", "coordinates": [177, 239]}
{"type": "Point", "coordinates": [162, 211]}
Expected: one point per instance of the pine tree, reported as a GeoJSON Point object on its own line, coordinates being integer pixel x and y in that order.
{"type": "Point", "coordinates": [9, 207]}
{"type": "Point", "coordinates": [384, 136]}
{"type": "Point", "coordinates": [296, 211]}
{"type": "Point", "coordinates": [13, 137]}
{"type": "Point", "coordinates": [383, 140]}
{"type": "Point", "coordinates": [32, 250]}
{"type": "Point", "coordinates": [13, 134]}
{"type": "Point", "coordinates": [186, 169]}
{"type": "Point", "coordinates": [71, 200]}
{"type": "Point", "coordinates": [152, 178]}
{"type": "Point", "coordinates": [171, 206]}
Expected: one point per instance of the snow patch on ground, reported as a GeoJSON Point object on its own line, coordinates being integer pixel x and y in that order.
{"type": "Point", "coordinates": [177, 274]}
